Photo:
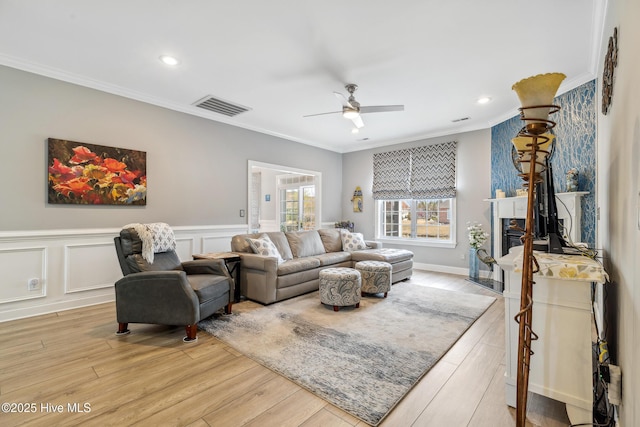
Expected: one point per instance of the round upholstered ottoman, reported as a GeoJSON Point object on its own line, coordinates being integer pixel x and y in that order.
{"type": "Point", "coordinates": [376, 276]}
{"type": "Point", "coordinates": [340, 287]}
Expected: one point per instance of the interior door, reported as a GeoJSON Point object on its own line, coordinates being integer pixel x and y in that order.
{"type": "Point", "coordinates": [297, 208]}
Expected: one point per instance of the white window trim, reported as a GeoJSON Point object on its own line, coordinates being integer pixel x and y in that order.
{"type": "Point", "coordinates": [449, 244]}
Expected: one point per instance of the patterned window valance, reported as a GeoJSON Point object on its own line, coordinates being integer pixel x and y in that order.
{"type": "Point", "coordinates": [427, 172]}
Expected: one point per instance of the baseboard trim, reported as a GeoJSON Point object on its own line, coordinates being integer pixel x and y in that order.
{"type": "Point", "coordinates": [460, 271]}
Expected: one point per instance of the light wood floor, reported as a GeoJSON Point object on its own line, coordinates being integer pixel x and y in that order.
{"type": "Point", "coordinates": [152, 378]}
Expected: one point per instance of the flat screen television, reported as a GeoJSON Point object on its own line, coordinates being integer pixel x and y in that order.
{"type": "Point", "coordinates": [547, 228]}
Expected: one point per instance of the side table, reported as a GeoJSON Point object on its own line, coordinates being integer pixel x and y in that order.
{"type": "Point", "coordinates": [232, 264]}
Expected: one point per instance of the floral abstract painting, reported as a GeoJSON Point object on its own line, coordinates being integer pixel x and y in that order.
{"type": "Point", "coordinates": [90, 174]}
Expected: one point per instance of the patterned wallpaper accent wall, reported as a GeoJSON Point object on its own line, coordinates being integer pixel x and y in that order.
{"type": "Point", "coordinates": [575, 148]}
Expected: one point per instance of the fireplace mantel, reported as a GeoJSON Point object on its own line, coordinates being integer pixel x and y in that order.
{"type": "Point", "coordinates": [569, 211]}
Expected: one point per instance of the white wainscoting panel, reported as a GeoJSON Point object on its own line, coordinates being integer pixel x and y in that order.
{"type": "Point", "coordinates": [184, 248]}
{"type": "Point", "coordinates": [217, 243]}
{"type": "Point", "coordinates": [79, 267]}
{"type": "Point", "coordinates": [18, 266]}
{"type": "Point", "coordinates": [90, 266]}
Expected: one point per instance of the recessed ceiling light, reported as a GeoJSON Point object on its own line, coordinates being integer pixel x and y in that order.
{"type": "Point", "coordinates": [169, 60]}
{"type": "Point", "coordinates": [484, 100]}
{"type": "Point", "coordinates": [355, 130]}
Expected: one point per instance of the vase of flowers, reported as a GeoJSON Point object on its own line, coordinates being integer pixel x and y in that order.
{"type": "Point", "coordinates": [477, 237]}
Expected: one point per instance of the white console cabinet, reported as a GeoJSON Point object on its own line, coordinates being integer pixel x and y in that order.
{"type": "Point", "coordinates": [561, 366]}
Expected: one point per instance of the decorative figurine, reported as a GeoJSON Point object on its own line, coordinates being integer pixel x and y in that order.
{"type": "Point", "coordinates": [572, 179]}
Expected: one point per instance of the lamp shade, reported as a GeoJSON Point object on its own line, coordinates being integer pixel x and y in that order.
{"type": "Point", "coordinates": [537, 91]}
{"type": "Point", "coordinates": [525, 162]}
{"type": "Point", "coordinates": [523, 145]}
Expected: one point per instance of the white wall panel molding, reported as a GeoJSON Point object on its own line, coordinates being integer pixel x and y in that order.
{"type": "Point", "coordinates": [78, 267]}
{"type": "Point", "coordinates": [90, 266]}
{"type": "Point", "coordinates": [185, 247]}
{"type": "Point", "coordinates": [18, 266]}
{"type": "Point", "coordinates": [219, 241]}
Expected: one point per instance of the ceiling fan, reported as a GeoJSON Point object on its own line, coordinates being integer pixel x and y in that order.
{"type": "Point", "coordinates": [352, 110]}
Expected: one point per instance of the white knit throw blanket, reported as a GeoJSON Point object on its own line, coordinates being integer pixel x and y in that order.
{"type": "Point", "coordinates": [155, 237]}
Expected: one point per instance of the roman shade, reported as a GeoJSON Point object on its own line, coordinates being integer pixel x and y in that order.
{"type": "Point", "coordinates": [391, 177]}
{"type": "Point", "coordinates": [427, 172]}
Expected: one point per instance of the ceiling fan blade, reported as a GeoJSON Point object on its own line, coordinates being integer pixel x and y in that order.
{"type": "Point", "coordinates": [381, 108]}
{"type": "Point", "coordinates": [343, 100]}
{"type": "Point", "coordinates": [322, 114]}
{"type": "Point", "coordinates": [357, 122]}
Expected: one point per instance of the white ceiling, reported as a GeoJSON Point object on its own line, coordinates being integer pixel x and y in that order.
{"type": "Point", "coordinates": [285, 58]}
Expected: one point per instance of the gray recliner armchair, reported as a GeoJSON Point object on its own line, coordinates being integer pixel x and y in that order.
{"type": "Point", "coordinates": [167, 291]}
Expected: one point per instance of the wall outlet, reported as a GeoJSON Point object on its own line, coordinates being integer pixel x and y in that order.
{"type": "Point", "coordinates": [461, 256]}
{"type": "Point", "coordinates": [242, 213]}
{"type": "Point", "coordinates": [33, 284]}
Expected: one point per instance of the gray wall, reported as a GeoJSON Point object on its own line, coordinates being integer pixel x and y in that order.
{"type": "Point", "coordinates": [473, 184]}
{"type": "Point", "coordinates": [196, 168]}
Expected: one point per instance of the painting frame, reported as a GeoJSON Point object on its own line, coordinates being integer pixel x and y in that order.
{"type": "Point", "coordinates": [80, 173]}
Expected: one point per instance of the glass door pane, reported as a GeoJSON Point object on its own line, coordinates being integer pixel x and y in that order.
{"type": "Point", "coordinates": [290, 209]}
{"type": "Point", "coordinates": [308, 211]}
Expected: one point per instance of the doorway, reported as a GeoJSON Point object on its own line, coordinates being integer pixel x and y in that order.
{"type": "Point", "coordinates": [282, 198]}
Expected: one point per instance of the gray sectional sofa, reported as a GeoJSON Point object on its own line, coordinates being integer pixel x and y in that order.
{"type": "Point", "coordinates": [303, 254]}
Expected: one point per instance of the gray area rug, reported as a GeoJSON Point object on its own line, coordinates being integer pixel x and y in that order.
{"type": "Point", "coordinates": [361, 360]}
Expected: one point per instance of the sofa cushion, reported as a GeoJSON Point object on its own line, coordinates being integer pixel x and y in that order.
{"type": "Point", "coordinates": [295, 280]}
{"type": "Point", "coordinates": [305, 243]}
{"type": "Point", "coordinates": [332, 258]}
{"type": "Point", "coordinates": [331, 239]}
{"type": "Point", "coordinates": [280, 240]}
{"type": "Point", "coordinates": [384, 254]}
{"type": "Point", "coordinates": [352, 241]}
{"type": "Point", "coordinates": [298, 264]}
{"type": "Point", "coordinates": [208, 286]}
{"type": "Point", "coordinates": [264, 246]}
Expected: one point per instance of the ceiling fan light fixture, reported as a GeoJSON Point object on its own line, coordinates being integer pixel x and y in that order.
{"type": "Point", "coordinates": [169, 60]}
{"type": "Point", "coordinates": [349, 113]}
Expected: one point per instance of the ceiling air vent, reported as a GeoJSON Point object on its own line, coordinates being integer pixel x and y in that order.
{"type": "Point", "coordinates": [461, 119]}
{"type": "Point", "coordinates": [220, 106]}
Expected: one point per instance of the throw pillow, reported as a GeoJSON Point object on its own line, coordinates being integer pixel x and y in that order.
{"type": "Point", "coordinates": [264, 246]}
{"type": "Point", "coordinates": [352, 241]}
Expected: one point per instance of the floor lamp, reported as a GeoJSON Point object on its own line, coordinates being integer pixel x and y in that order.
{"type": "Point", "coordinates": [536, 95]}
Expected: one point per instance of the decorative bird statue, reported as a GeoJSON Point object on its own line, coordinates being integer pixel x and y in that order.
{"type": "Point", "coordinates": [486, 258]}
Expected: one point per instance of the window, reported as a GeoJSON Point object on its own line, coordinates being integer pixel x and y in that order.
{"type": "Point", "coordinates": [426, 220]}
{"type": "Point", "coordinates": [415, 194]}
